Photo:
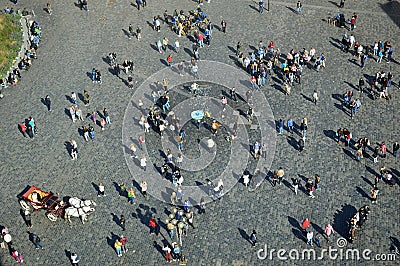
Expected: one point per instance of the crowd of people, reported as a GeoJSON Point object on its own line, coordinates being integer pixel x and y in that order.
{"type": "Point", "coordinates": [262, 63]}
{"type": "Point", "coordinates": [14, 75]}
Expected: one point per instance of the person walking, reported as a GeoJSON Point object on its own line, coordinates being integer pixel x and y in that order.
{"type": "Point", "coordinates": [167, 251]}
{"type": "Point", "coordinates": [47, 102]}
{"type": "Point", "coordinates": [296, 183]}
{"type": "Point", "coordinates": [122, 222]}
{"type": "Point", "coordinates": [35, 240]}
{"type": "Point", "coordinates": [253, 238]}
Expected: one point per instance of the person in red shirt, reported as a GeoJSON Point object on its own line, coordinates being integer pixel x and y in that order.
{"type": "Point", "coordinates": [153, 226]}
{"type": "Point", "coordinates": [305, 224]}
{"type": "Point", "coordinates": [123, 241]}
{"type": "Point", "coordinates": [169, 60]}
{"type": "Point", "coordinates": [22, 127]}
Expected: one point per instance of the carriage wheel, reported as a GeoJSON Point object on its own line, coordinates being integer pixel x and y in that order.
{"type": "Point", "coordinates": [52, 217]}
{"type": "Point", "coordinates": [24, 205]}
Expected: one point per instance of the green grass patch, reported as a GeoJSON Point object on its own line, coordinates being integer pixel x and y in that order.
{"type": "Point", "coordinates": [10, 41]}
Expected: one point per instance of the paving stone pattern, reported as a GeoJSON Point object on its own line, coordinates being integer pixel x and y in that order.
{"type": "Point", "coordinates": [75, 41]}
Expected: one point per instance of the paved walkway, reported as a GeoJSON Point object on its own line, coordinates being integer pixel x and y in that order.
{"type": "Point", "coordinates": [74, 42]}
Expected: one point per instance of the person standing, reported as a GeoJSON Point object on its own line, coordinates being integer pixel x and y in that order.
{"type": "Point", "coordinates": [261, 6]}
{"type": "Point", "coordinates": [86, 98]}
{"type": "Point", "coordinates": [223, 26]}
{"type": "Point", "coordinates": [315, 97]}
{"type": "Point", "coordinates": [130, 29]}
{"type": "Point", "coordinates": [74, 99]}
{"type": "Point", "coordinates": [290, 125]}
{"type": "Point", "coordinates": [143, 186]}
{"type": "Point", "coordinates": [396, 147]}
{"type": "Point", "coordinates": [317, 181]}
{"type": "Point", "coordinates": [78, 114]}
{"type": "Point", "coordinates": [74, 259]}
{"type": "Point", "coordinates": [296, 183]}
{"type": "Point", "coordinates": [305, 224]}
{"type": "Point", "coordinates": [202, 206]}
{"type": "Point", "coordinates": [28, 219]}
{"type": "Point", "coordinates": [47, 102]}
{"type": "Point", "coordinates": [122, 222]}
{"type": "Point", "coordinates": [374, 194]}
{"type": "Point", "coordinates": [141, 142]}
{"type": "Point", "coordinates": [280, 126]}
{"type": "Point", "coordinates": [310, 236]}
{"type": "Point", "coordinates": [101, 190]}
{"type": "Point", "coordinates": [329, 231]}
{"type": "Point", "coordinates": [176, 46]}
{"type": "Point", "coordinates": [169, 60]}
{"type": "Point", "coordinates": [299, 7]}
{"type": "Point", "coordinates": [123, 241]}
{"type": "Point", "coordinates": [72, 113]}
{"type": "Point", "coordinates": [138, 33]}
{"type": "Point", "coordinates": [153, 226]}
{"type": "Point", "coordinates": [74, 150]}
{"type": "Point", "coordinates": [118, 247]}
{"type": "Point", "coordinates": [253, 238]}
{"type": "Point", "coordinates": [143, 163]}
{"type": "Point", "coordinates": [131, 195]}
{"type": "Point", "coordinates": [106, 115]}
{"type": "Point", "coordinates": [23, 128]}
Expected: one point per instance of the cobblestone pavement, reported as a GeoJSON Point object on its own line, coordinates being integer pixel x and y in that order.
{"type": "Point", "coordinates": [75, 41]}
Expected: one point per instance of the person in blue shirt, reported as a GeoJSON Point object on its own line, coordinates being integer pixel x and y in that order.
{"type": "Point", "coordinates": [261, 6]}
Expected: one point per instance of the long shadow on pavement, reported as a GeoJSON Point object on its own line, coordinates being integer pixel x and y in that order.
{"type": "Point", "coordinates": [341, 218]}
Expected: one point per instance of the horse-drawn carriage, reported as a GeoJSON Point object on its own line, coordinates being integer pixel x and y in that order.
{"type": "Point", "coordinates": [35, 198]}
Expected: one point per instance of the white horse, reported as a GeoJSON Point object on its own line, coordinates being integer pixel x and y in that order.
{"type": "Point", "coordinates": [82, 213]}
{"type": "Point", "coordinates": [78, 203]}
